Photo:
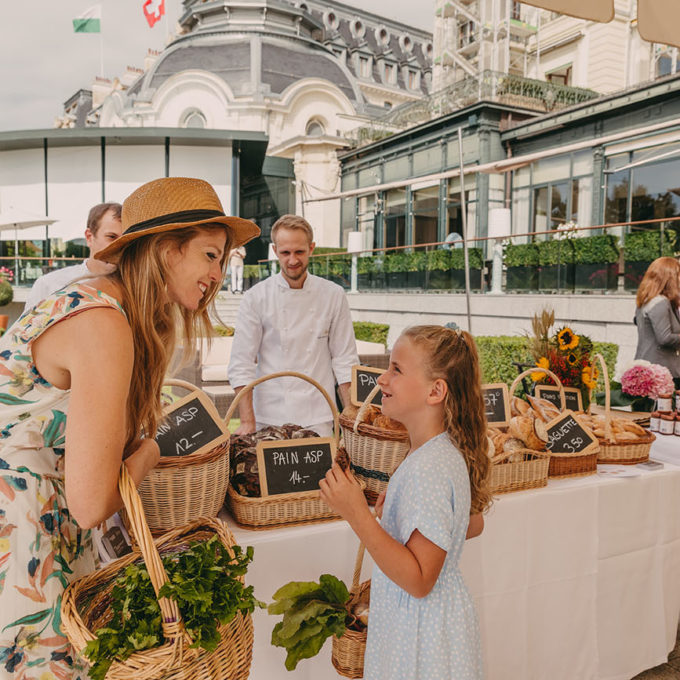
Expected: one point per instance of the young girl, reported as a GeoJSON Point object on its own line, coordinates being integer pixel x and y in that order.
{"type": "Point", "coordinates": [422, 621]}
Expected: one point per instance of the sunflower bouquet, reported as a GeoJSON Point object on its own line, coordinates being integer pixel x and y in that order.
{"type": "Point", "coordinates": [563, 352]}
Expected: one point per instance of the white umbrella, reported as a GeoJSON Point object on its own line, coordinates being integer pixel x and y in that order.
{"type": "Point", "coordinates": [20, 219]}
{"type": "Point", "coordinates": [658, 20]}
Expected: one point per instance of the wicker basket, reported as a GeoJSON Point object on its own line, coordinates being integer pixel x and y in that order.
{"type": "Point", "coordinates": [271, 511]}
{"type": "Point", "coordinates": [85, 607]}
{"type": "Point", "coordinates": [180, 489]}
{"type": "Point", "coordinates": [562, 464]}
{"type": "Point", "coordinates": [375, 452]}
{"type": "Point", "coordinates": [348, 651]}
{"type": "Point", "coordinates": [611, 452]}
{"type": "Point", "coordinates": [531, 472]}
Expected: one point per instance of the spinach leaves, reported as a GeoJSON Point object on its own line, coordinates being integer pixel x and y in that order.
{"type": "Point", "coordinates": [203, 582]}
{"type": "Point", "coordinates": [311, 612]}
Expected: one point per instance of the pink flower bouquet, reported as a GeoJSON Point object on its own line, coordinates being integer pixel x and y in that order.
{"type": "Point", "coordinates": [642, 382]}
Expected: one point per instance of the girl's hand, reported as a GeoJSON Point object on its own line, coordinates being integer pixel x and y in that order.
{"type": "Point", "coordinates": [143, 458]}
{"type": "Point", "coordinates": [342, 493]}
{"type": "Point", "coordinates": [380, 504]}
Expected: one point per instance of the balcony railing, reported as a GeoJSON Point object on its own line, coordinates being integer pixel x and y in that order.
{"type": "Point", "coordinates": [26, 270]}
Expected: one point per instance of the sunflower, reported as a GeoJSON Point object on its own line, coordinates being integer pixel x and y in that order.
{"type": "Point", "coordinates": [538, 376]}
{"type": "Point", "coordinates": [571, 358]}
{"type": "Point", "coordinates": [589, 377]}
{"type": "Point", "coordinates": [567, 339]}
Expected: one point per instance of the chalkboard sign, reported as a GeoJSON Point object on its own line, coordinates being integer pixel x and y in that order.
{"type": "Point", "coordinates": [551, 393]}
{"type": "Point", "coordinates": [294, 465]}
{"type": "Point", "coordinates": [191, 425]}
{"type": "Point", "coordinates": [364, 379]}
{"type": "Point", "coordinates": [567, 435]}
{"type": "Point", "coordinates": [115, 543]}
{"type": "Point", "coordinates": [496, 404]}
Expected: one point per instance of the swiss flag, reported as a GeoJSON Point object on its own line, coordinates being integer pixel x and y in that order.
{"type": "Point", "coordinates": [153, 11]}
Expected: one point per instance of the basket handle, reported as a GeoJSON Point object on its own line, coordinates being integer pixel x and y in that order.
{"type": "Point", "coordinates": [283, 374]}
{"type": "Point", "coordinates": [363, 408]}
{"type": "Point", "coordinates": [171, 622]}
{"type": "Point", "coordinates": [356, 577]}
{"type": "Point", "coordinates": [607, 398]}
{"type": "Point", "coordinates": [539, 369]}
{"type": "Point", "coordinates": [176, 382]}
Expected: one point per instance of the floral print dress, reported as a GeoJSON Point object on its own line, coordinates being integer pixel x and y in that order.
{"type": "Point", "coordinates": [42, 549]}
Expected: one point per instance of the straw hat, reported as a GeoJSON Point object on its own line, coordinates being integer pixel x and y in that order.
{"type": "Point", "coordinates": [174, 203]}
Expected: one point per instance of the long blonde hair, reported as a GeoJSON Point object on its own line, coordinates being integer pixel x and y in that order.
{"type": "Point", "coordinates": [661, 278]}
{"type": "Point", "coordinates": [157, 323]}
{"type": "Point", "coordinates": [452, 356]}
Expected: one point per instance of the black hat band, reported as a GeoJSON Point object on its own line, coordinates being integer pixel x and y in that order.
{"type": "Point", "coordinates": [187, 216]}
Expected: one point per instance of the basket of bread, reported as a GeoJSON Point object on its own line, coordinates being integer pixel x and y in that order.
{"type": "Point", "coordinates": [528, 424]}
{"type": "Point", "coordinates": [376, 444]}
{"type": "Point", "coordinates": [244, 499]}
{"type": "Point", "coordinates": [622, 441]}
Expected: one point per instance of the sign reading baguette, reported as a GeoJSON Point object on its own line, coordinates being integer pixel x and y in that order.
{"type": "Point", "coordinates": [496, 404]}
{"type": "Point", "coordinates": [294, 465]}
{"type": "Point", "coordinates": [364, 379]}
{"type": "Point", "coordinates": [551, 393]}
{"type": "Point", "coordinates": [191, 425]}
{"type": "Point", "coordinates": [567, 435]}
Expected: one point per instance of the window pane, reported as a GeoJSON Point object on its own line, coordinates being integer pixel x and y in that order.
{"type": "Point", "coordinates": [582, 163]}
{"type": "Point", "coordinates": [616, 207]}
{"type": "Point", "coordinates": [558, 204]}
{"type": "Point", "coordinates": [654, 190]}
{"type": "Point", "coordinates": [582, 201]}
{"type": "Point", "coordinates": [540, 219]}
{"type": "Point", "coordinates": [368, 177]}
{"type": "Point", "coordinates": [427, 160]}
{"type": "Point", "coordinates": [520, 212]}
{"type": "Point", "coordinates": [397, 168]}
{"type": "Point", "coordinates": [395, 218]}
{"type": "Point", "coordinates": [551, 169]}
{"type": "Point", "coordinates": [425, 202]}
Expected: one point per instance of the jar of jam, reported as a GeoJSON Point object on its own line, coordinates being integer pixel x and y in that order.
{"type": "Point", "coordinates": [665, 402]}
{"type": "Point", "coordinates": [677, 401]}
{"type": "Point", "coordinates": [654, 421]}
{"type": "Point", "coordinates": [667, 423]}
{"type": "Point", "coordinates": [677, 424]}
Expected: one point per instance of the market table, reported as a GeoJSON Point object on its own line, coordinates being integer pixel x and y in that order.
{"type": "Point", "coordinates": [578, 580]}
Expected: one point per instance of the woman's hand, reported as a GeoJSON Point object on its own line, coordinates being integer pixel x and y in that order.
{"type": "Point", "coordinates": [380, 504]}
{"type": "Point", "coordinates": [342, 493]}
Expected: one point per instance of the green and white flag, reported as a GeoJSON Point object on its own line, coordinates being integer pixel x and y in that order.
{"type": "Point", "coordinates": [89, 21]}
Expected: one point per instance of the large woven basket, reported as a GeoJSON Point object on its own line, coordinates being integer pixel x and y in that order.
{"type": "Point", "coordinates": [348, 652]}
{"type": "Point", "coordinates": [270, 511]}
{"type": "Point", "coordinates": [180, 489]}
{"type": "Point", "coordinates": [611, 452]}
{"type": "Point", "coordinates": [375, 452]}
{"type": "Point", "coordinates": [86, 607]}
{"type": "Point", "coordinates": [527, 470]}
{"type": "Point", "coordinates": [562, 464]}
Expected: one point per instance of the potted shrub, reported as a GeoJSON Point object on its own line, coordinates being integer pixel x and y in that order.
{"type": "Point", "coordinates": [415, 269]}
{"type": "Point", "coordinates": [251, 275]}
{"type": "Point", "coordinates": [476, 262]}
{"type": "Point", "coordinates": [395, 269]}
{"type": "Point", "coordinates": [438, 267]}
{"type": "Point", "coordinates": [556, 265]}
{"type": "Point", "coordinates": [596, 262]}
{"type": "Point", "coordinates": [365, 268]}
{"type": "Point", "coordinates": [640, 248]}
{"type": "Point", "coordinates": [6, 295]}
{"type": "Point", "coordinates": [339, 271]}
{"type": "Point", "coordinates": [521, 263]}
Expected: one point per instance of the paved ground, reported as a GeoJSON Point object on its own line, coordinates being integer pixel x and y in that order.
{"type": "Point", "coordinates": [667, 671]}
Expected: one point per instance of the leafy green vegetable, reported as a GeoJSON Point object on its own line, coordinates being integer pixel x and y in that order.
{"type": "Point", "coordinates": [203, 582]}
{"type": "Point", "coordinates": [312, 612]}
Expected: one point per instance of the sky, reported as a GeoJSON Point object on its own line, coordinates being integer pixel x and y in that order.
{"type": "Point", "coordinates": [44, 62]}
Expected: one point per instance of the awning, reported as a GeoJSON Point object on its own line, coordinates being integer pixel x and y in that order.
{"type": "Point", "coordinates": [658, 21]}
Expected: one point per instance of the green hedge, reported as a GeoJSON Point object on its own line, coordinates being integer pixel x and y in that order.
{"type": "Point", "coordinates": [596, 249]}
{"type": "Point", "coordinates": [496, 354]}
{"type": "Point", "coordinates": [251, 270]}
{"type": "Point", "coordinates": [520, 255]}
{"type": "Point", "coordinates": [223, 331]}
{"type": "Point", "coordinates": [645, 246]}
{"type": "Point", "coordinates": [551, 252]}
{"type": "Point", "coordinates": [371, 332]}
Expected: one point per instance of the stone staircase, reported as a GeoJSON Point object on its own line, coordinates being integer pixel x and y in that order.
{"type": "Point", "coordinates": [227, 306]}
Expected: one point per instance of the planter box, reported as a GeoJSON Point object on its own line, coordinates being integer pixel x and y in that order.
{"type": "Point", "coordinates": [556, 277]}
{"type": "Point", "coordinates": [633, 273]}
{"type": "Point", "coordinates": [523, 278]}
{"type": "Point", "coordinates": [439, 279]}
{"type": "Point", "coordinates": [458, 279]}
{"type": "Point", "coordinates": [365, 281]}
{"type": "Point", "coordinates": [396, 279]}
{"type": "Point", "coordinates": [600, 276]}
{"type": "Point", "coordinates": [415, 279]}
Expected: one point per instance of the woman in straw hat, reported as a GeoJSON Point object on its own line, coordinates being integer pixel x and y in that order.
{"type": "Point", "coordinates": [80, 380]}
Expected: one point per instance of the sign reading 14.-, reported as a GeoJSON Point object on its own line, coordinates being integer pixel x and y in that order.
{"type": "Point", "coordinates": [190, 426]}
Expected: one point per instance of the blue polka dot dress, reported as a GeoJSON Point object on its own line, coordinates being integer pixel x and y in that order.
{"type": "Point", "coordinates": [435, 637]}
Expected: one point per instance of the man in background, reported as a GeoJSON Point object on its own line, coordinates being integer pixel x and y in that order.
{"type": "Point", "coordinates": [103, 226]}
{"type": "Point", "coordinates": [236, 257]}
{"type": "Point", "coordinates": [292, 321]}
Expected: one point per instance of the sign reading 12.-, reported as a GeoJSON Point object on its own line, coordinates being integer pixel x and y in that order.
{"type": "Point", "coordinates": [190, 426]}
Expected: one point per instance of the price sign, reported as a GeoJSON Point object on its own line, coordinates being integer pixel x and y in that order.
{"type": "Point", "coordinates": [294, 465]}
{"type": "Point", "coordinates": [364, 379]}
{"type": "Point", "coordinates": [496, 404]}
{"type": "Point", "coordinates": [551, 393]}
{"type": "Point", "coordinates": [191, 425]}
{"type": "Point", "coordinates": [567, 435]}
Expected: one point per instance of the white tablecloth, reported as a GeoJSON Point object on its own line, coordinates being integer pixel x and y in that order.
{"type": "Point", "coordinates": [579, 580]}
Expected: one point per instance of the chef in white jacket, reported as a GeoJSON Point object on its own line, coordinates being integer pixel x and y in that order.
{"type": "Point", "coordinates": [292, 321]}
